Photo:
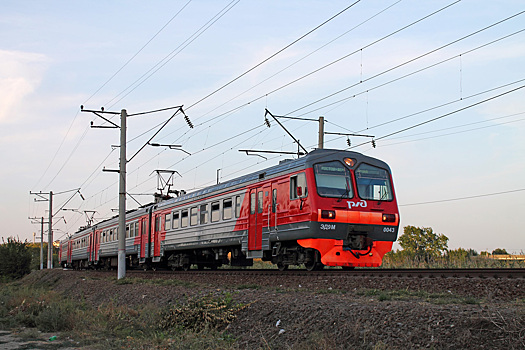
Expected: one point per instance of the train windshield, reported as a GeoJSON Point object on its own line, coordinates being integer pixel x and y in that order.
{"type": "Point", "coordinates": [333, 180]}
{"type": "Point", "coordinates": [373, 183]}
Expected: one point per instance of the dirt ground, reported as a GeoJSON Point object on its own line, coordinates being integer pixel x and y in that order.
{"type": "Point", "coordinates": [288, 311]}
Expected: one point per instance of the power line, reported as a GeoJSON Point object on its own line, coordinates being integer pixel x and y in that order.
{"type": "Point", "coordinates": [273, 55]}
{"type": "Point", "coordinates": [326, 66]}
{"type": "Point", "coordinates": [139, 51]}
{"type": "Point", "coordinates": [407, 62]}
{"type": "Point", "coordinates": [68, 158]}
{"type": "Point", "coordinates": [463, 198]}
{"type": "Point", "coordinates": [105, 83]}
{"type": "Point", "coordinates": [239, 107]}
{"type": "Point", "coordinates": [57, 151]}
{"type": "Point", "coordinates": [450, 113]}
{"type": "Point", "coordinates": [301, 59]}
{"type": "Point", "coordinates": [431, 108]}
{"type": "Point", "coordinates": [173, 53]}
{"type": "Point", "coordinates": [442, 105]}
{"type": "Point", "coordinates": [403, 77]}
{"type": "Point", "coordinates": [461, 126]}
{"type": "Point", "coordinates": [257, 127]}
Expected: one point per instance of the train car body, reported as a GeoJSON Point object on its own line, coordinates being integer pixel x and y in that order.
{"type": "Point", "coordinates": [328, 208]}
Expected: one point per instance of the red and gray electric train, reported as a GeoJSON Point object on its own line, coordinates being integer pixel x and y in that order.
{"type": "Point", "coordinates": [329, 207]}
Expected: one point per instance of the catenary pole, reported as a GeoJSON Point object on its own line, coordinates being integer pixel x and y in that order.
{"type": "Point", "coordinates": [50, 233]}
{"type": "Point", "coordinates": [41, 243]}
{"type": "Point", "coordinates": [321, 132]}
{"type": "Point", "coordinates": [122, 199]}
{"type": "Point", "coordinates": [121, 257]}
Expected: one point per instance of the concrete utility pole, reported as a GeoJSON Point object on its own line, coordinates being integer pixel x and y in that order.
{"type": "Point", "coordinates": [41, 239]}
{"type": "Point", "coordinates": [121, 273]}
{"type": "Point", "coordinates": [41, 243]}
{"type": "Point", "coordinates": [321, 132]}
{"type": "Point", "coordinates": [50, 222]}
{"type": "Point", "coordinates": [50, 234]}
{"type": "Point", "coordinates": [121, 257]}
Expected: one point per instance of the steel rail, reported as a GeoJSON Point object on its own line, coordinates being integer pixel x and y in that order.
{"type": "Point", "coordinates": [498, 273]}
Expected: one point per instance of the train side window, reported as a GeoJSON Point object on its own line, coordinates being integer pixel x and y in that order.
{"type": "Point", "coordinates": [116, 235]}
{"type": "Point", "coordinates": [184, 218]}
{"type": "Point", "coordinates": [227, 209]}
{"type": "Point", "coordinates": [274, 200]}
{"type": "Point", "coordinates": [127, 231]}
{"type": "Point", "coordinates": [252, 203]}
{"type": "Point", "coordinates": [298, 187]}
{"type": "Point", "coordinates": [175, 220]}
{"type": "Point", "coordinates": [167, 222]}
{"type": "Point", "coordinates": [136, 229]}
{"type": "Point", "coordinates": [215, 212]}
{"type": "Point", "coordinates": [260, 202]}
{"type": "Point", "coordinates": [204, 214]}
{"type": "Point", "coordinates": [193, 216]}
{"type": "Point", "coordinates": [144, 225]}
{"type": "Point", "coordinates": [237, 206]}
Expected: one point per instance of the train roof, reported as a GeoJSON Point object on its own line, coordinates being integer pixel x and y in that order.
{"type": "Point", "coordinates": [284, 166]}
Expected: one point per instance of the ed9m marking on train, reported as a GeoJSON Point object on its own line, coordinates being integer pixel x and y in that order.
{"type": "Point", "coordinates": [327, 227]}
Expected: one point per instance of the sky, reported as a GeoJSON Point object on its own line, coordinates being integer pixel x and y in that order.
{"type": "Point", "coordinates": [439, 84]}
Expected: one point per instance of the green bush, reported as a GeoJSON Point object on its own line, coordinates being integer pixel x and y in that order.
{"type": "Point", "coordinates": [15, 259]}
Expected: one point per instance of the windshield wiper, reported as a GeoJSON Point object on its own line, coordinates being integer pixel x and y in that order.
{"type": "Point", "coordinates": [384, 195]}
{"type": "Point", "coordinates": [345, 193]}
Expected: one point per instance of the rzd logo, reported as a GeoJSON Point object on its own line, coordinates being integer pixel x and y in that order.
{"type": "Point", "coordinates": [352, 204]}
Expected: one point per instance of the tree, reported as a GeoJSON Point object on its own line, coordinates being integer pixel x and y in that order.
{"type": "Point", "coordinates": [499, 251]}
{"type": "Point", "coordinates": [15, 259]}
{"type": "Point", "coordinates": [422, 242]}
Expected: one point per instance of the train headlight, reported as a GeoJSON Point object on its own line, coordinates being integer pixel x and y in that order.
{"type": "Point", "coordinates": [328, 214]}
{"type": "Point", "coordinates": [389, 218]}
{"type": "Point", "coordinates": [349, 161]}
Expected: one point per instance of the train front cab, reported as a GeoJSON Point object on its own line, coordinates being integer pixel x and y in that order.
{"type": "Point", "coordinates": [355, 212]}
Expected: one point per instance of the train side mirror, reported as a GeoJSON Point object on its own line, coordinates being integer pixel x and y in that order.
{"type": "Point", "coordinates": [299, 191]}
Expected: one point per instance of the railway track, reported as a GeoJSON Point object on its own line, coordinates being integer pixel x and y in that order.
{"type": "Point", "coordinates": [484, 273]}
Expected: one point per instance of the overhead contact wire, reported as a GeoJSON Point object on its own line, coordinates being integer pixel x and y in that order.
{"type": "Point", "coordinates": [272, 56]}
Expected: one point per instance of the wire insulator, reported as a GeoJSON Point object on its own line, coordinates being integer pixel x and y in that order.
{"type": "Point", "coordinates": [267, 122]}
{"type": "Point", "coordinates": [188, 121]}
{"type": "Point", "coordinates": [348, 142]}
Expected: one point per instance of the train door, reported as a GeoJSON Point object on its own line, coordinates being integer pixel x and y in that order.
{"type": "Point", "coordinates": [144, 235]}
{"type": "Point", "coordinates": [272, 210]}
{"type": "Point", "coordinates": [156, 238]}
{"type": "Point", "coordinates": [91, 247]}
{"type": "Point", "coordinates": [96, 246]}
{"type": "Point", "coordinates": [255, 219]}
{"type": "Point", "coordinates": [69, 251]}
{"type": "Point", "coordinates": [266, 215]}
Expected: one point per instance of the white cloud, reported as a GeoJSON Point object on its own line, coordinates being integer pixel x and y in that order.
{"type": "Point", "coordinates": [20, 74]}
